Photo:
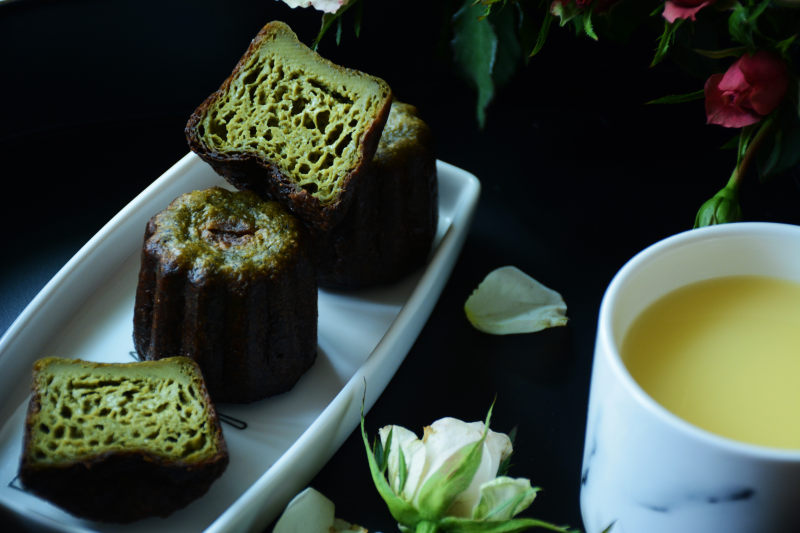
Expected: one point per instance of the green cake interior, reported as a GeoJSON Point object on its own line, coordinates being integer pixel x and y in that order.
{"type": "Point", "coordinates": [298, 111]}
{"type": "Point", "coordinates": [87, 409]}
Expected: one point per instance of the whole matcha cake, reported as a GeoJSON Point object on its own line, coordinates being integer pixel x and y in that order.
{"type": "Point", "coordinates": [390, 226]}
{"type": "Point", "coordinates": [226, 279]}
{"type": "Point", "coordinates": [292, 126]}
{"type": "Point", "coordinates": [120, 441]}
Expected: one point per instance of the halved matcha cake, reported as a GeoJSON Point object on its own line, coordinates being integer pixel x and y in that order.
{"type": "Point", "coordinates": [120, 442]}
{"type": "Point", "coordinates": [293, 126]}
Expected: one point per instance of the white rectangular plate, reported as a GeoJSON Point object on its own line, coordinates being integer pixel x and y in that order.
{"type": "Point", "coordinates": [86, 311]}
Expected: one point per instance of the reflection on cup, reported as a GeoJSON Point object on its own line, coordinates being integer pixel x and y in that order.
{"type": "Point", "coordinates": [645, 469]}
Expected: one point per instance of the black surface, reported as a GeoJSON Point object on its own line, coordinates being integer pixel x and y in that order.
{"type": "Point", "coordinates": [577, 174]}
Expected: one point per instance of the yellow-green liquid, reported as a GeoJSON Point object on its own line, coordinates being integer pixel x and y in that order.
{"type": "Point", "coordinates": [724, 355]}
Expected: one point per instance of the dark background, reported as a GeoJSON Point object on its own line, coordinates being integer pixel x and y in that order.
{"type": "Point", "coordinates": [578, 174]}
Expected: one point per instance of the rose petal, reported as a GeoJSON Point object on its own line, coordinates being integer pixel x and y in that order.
{"type": "Point", "coordinates": [766, 74]}
{"type": "Point", "coordinates": [509, 301]}
{"type": "Point", "coordinates": [496, 448]}
{"type": "Point", "coordinates": [721, 108]}
{"type": "Point", "coordinates": [445, 437]}
{"type": "Point", "coordinates": [733, 79]}
{"type": "Point", "coordinates": [674, 11]}
{"type": "Point", "coordinates": [308, 512]}
{"type": "Point", "coordinates": [503, 498]}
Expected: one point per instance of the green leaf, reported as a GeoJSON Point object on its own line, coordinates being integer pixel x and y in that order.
{"type": "Point", "coordinates": [780, 151]}
{"type": "Point", "coordinates": [509, 50]}
{"type": "Point", "coordinates": [679, 98]}
{"type": "Point", "coordinates": [721, 54]}
{"type": "Point", "coordinates": [587, 25]}
{"type": "Point", "coordinates": [566, 12]}
{"type": "Point", "coordinates": [359, 18]}
{"type": "Point", "coordinates": [784, 45]}
{"type": "Point", "coordinates": [760, 8]}
{"type": "Point", "coordinates": [475, 47]}
{"type": "Point", "coordinates": [541, 36]}
{"type": "Point", "coordinates": [665, 41]}
{"type": "Point", "coordinates": [329, 18]}
{"type": "Point", "coordinates": [743, 22]}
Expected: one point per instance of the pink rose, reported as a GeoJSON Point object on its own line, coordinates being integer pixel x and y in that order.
{"type": "Point", "coordinates": [683, 9]}
{"type": "Point", "coordinates": [750, 88]}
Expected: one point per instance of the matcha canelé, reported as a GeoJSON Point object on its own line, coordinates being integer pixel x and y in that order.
{"type": "Point", "coordinates": [391, 224]}
{"type": "Point", "coordinates": [226, 280]}
{"type": "Point", "coordinates": [120, 441]}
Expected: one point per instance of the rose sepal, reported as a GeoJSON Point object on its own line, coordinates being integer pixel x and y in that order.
{"type": "Point", "coordinates": [451, 479]}
{"type": "Point", "coordinates": [451, 524]}
{"type": "Point", "coordinates": [721, 208]}
{"type": "Point", "coordinates": [402, 511]}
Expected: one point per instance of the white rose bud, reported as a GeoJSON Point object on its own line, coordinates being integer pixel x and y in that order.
{"type": "Point", "coordinates": [448, 480]}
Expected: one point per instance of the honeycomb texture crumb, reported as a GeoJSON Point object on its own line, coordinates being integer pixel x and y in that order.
{"type": "Point", "coordinates": [87, 410]}
{"type": "Point", "coordinates": [303, 114]}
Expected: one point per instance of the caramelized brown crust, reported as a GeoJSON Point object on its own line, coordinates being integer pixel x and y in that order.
{"type": "Point", "coordinates": [122, 487]}
{"type": "Point", "coordinates": [247, 169]}
{"type": "Point", "coordinates": [389, 229]}
{"type": "Point", "coordinates": [253, 331]}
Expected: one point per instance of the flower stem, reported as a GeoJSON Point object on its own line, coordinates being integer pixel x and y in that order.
{"type": "Point", "coordinates": [426, 527]}
{"type": "Point", "coordinates": [747, 152]}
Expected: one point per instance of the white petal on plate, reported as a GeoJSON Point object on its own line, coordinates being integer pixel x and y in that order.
{"type": "Point", "coordinates": [308, 512]}
{"type": "Point", "coordinates": [510, 301]}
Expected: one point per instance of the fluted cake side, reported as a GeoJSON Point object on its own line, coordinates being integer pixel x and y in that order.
{"type": "Point", "coordinates": [226, 280]}
{"type": "Point", "coordinates": [389, 229]}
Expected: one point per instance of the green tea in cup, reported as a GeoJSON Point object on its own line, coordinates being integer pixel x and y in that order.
{"type": "Point", "coordinates": [724, 355]}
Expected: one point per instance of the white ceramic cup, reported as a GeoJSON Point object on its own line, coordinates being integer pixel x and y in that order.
{"type": "Point", "coordinates": [644, 469]}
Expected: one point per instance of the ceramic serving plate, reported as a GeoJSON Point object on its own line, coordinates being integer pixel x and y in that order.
{"type": "Point", "coordinates": [276, 445]}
